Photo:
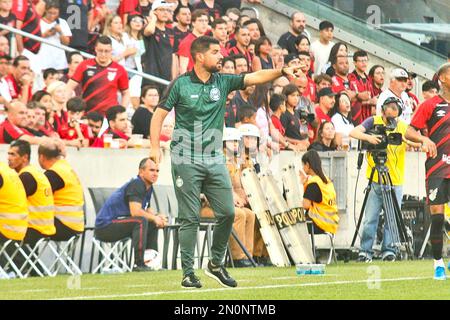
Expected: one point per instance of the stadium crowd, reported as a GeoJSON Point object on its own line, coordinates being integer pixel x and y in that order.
{"type": "Point", "coordinates": [46, 92]}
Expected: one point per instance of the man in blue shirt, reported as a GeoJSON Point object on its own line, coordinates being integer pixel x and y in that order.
{"type": "Point", "coordinates": [127, 213]}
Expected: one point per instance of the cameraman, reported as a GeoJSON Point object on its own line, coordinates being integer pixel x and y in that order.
{"type": "Point", "coordinates": [391, 110]}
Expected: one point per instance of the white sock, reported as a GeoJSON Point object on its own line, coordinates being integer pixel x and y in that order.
{"type": "Point", "coordinates": [439, 263]}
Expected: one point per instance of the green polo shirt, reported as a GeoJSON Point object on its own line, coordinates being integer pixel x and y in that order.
{"type": "Point", "coordinates": [199, 114]}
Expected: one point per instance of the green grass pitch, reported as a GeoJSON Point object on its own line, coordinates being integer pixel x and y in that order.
{"type": "Point", "coordinates": [377, 280]}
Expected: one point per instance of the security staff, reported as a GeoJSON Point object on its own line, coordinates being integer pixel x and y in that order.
{"type": "Point", "coordinates": [13, 205]}
{"type": "Point", "coordinates": [319, 197]}
{"type": "Point", "coordinates": [127, 213]}
{"type": "Point", "coordinates": [66, 188]}
{"type": "Point", "coordinates": [38, 190]}
{"type": "Point", "coordinates": [199, 100]}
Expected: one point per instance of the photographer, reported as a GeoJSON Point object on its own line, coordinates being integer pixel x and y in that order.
{"type": "Point", "coordinates": [388, 121]}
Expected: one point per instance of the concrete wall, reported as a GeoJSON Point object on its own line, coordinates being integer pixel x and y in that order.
{"type": "Point", "coordinates": [112, 168]}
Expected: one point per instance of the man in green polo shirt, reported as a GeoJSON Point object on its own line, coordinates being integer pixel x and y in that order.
{"type": "Point", "coordinates": [198, 164]}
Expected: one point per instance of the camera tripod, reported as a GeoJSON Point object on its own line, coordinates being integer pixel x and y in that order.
{"type": "Point", "coordinates": [392, 211]}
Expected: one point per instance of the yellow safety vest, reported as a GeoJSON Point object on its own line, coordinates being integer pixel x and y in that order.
{"type": "Point", "coordinates": [395, 156]}
{"type": "Point", "coordinates": [69, 200]}
{"type": "Point", "coordinates": [41, 207]}
{"type": "Point", "coordinates": [13, 205]}
{"type": "Point", "coordinates": [324, 214]}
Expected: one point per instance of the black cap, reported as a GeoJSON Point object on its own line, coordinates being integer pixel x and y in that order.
{"type": "Point", "coordinates": [325, 92]}
{"type": "Point", "coordinates": [288, 58]}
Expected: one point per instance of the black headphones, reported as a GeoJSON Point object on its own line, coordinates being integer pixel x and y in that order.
{"type": "Point", "coordinates": [392, 100]}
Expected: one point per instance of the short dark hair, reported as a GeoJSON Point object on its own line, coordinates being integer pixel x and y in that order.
{"type": "Point", "coordinates": [258, 22]}
{"type": "Point", "coordinates": [238, 56]}
{"type": "Point", "coordinates": [290, 89]}
{"type": "Point", "coordinates": [142, 163]}
{"type": "Point", "coordinates": [76, 104]}
{"type": "Point", "coordinates": [216, 22]}
{"type": "Point", "coordinates": [428, 85]}
{"type": "Point", "coordinates": [276, 100]}
{"type": "Point", "coordinates": [226, 59]}
{"type": "Point", "coordinates": [49, 72]}
{"type": "Point", "coordinates": [149, 87]}
{"type": "Point", "coordinates": [23, 147]}
{"type": "Point", "coordinates": [246, 111]}
{"type": "Point", "coordinates": [178, 9]}
{"type": "Point", "coordinates": [299, 39]}
{"type": "Point", "coordinates": [52, 4]}
{"type": "Point", "coordinates": [104, 40]}
{"type": "Point", "coordinates": [304, 53]}
{"type": "Point", "coordinates": [111, 113]}
{"type": "Point", "coordinates": [70, 55]}
{"type": "Point", "coordinates": [322, 77]}
{"type": "Point", "coordinates": [18, 59]}
{"type": "Point", "coordinates": [94, 116]}
{"type": "Point", "coordinates": [359, 54]}
{"type": "Point", "coordinates": [38, 95]}
{"type": "Point", "coordinates": [198, 13]}
{"type": "Point", "coordinates": [201, 45]}
{"type": "Point", "coordinates": [325, 25]}
{"type": "Point", "coordinates": [239, 28]}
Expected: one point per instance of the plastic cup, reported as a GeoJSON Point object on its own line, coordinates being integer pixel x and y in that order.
{"type": "Point", "coordinates": [107, 140]}
{"type": "Point", "coordinates": [115, 144]}
{"type": "Point", "coordinates": [137, 140]}
{"type": "Point", "coordinates": [345, 143]}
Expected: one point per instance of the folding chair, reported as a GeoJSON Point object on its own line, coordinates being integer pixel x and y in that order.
{"type": "Point", "coordinates": [32, 260]}
{"type": "Point", "coordinates": [64, 252]}
{"type": "Point", "coordinates": [113, 256]}
{"type": "Point", "coordinates": [332, 252]}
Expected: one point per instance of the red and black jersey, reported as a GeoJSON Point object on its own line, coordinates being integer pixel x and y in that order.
{"type": "Point", "coordinates": [10, 132]}
{"type": "Point", "coordinates": [100, 84]}
{"type": "Point", "coordinates": [339, 84]}
{"type": "Point", "coordinates": [434, 114]}
{"type": "Point", "coordinates": [10, 20]}
{"type": "Point", "coordinates": [15, 89]}
{"type": "Point", "coordinates": [25, 12]}
{"type": "Point", "coordinates": [414, 100]}
{"type": "Point", "coordinates": [360, 112]}
{"type": "Point", "coordinates": [214, 13]}
{"type": "Point", "coordinates": [235, 51]}
{"type": "Point", "coordinates": [310, 91]}
{"type": "Point", "coordinates": [60, 121]}
{"type": "Point", "coordinates": [67, 132]}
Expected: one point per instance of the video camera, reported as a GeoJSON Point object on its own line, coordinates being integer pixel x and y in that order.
{"type": "Point", "coordinates": [393, 138]}
{"type": "Point", "coordinates": [305, 115]}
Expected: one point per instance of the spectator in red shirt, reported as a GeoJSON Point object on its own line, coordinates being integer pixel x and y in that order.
{"type": "Point", "coordinates": [429, 90]}
{"type": "Point", "coordinates": [75, 133]}
{"type": "Point", "coordinates": [376, 75]}
{"type": "Point", "coordinates": [199, 28]}
{"type": "Point", "coordinates": [126, 7]}
{"type": "Point", "coordinates": [95, 121]}
{"type": "Point", "coordinates": [41, 121]}
{"type": "Point", "coordinates": [340, 80]}
{"type": "Point", "coordinates": [242, 43]}
{"type": "Point", "coordinates": [58, 93]}
{"type": "Point", "coordinates": [278, 106]}
{"type": "Point", "coordinates": [305, 66]}
{"type": "Point", "coordinates": [219, 32]}
{"type": "Point", "coordinates": [20, 80]}
{"type": "Point", "coordinates": [45, 99]}
{"type": "Point", "coordinates": [361, 84]}
{"type": "Point", "coordinates": [118, 123]}
{"type": "Point", "coordinates": [181, 30]}
{"type": "Point", "coordinates": [240, 63]}
{"type": "Point", "coordinates": [322, 81]}
{"type": "Point", "coordinates": [28, 15]}
{"type": "Point", "coordinates": [101, 79]}
{"type": "Point", "coordinates": [13, 127]}
{"type": "Point", "coordinates": [326, 102]}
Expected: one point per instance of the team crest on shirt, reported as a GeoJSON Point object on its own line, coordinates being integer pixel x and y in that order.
{"type": "Point", "coordinates": [432, 195]}
{"type": "Point", "coordinates": [214, 94]}
{"type": "Point", "coordinates": [111, 75]}
{"type": "Point", "coordinates": [90, 73]}
{"type": "Point", "coordinates": [440, 113]}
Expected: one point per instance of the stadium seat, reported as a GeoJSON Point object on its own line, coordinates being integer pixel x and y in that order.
{"type": "Point", "coordinates": [113, 256]}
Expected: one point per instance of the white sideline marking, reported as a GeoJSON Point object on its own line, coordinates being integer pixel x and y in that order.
{"type": "Point", "coordinates": [315, 284]}
{"type": "Point", "coordinates": [307, 276]}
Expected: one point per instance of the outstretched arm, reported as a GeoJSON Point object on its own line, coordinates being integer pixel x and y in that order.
{"type": "Point", "coordinates": [155, 132]}
{"type": "Point", "coordinates": [263, 76]}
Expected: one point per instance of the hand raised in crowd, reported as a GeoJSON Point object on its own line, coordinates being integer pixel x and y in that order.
{"type": "Point", "coordinates": [294, 71]}
{"type": "Point", "coordinates": [26, 79]}
{"type": "Point", "coordinates": [429, 147]}
{"type": "Point", "coordinates": [57, 28]}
